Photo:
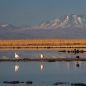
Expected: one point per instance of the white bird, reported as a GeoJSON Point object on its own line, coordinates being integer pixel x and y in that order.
{"type": "Point", "coordinates": [17, 56]}
{"type": "Point", "coordinates": [41, 56]}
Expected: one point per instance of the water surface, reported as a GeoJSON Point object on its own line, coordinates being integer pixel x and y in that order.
{"type": "Point", "coordinates": [41, 73]}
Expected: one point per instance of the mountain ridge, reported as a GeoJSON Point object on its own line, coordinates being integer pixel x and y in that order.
{"type": "Point", "coordinates": [69, 27]}
{"type": "Point", "coordinates": [66, 21]}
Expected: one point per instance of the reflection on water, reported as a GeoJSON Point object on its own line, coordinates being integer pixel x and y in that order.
{"type": "Point", "coordinates": [50, 72]}
{"type": "Point", "coordinates": [42, 73]}
{"type": "Point", "coordinates": [69, 66]}
{"type": "Point", "coordinates": [17, 68]}
{"type": "Point", "coordinates": [73, 65]}
{"type": "Point", "coordinates": [42, 67]}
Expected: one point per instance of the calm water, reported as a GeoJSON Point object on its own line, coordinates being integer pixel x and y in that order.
{"type": "Point", "coordinates": [41, 73]}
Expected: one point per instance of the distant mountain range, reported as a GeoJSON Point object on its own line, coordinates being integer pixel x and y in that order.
{"type": "Point", "coordinates": [67, 21]}
{"type": "Point", "coordinates": [69, 27]}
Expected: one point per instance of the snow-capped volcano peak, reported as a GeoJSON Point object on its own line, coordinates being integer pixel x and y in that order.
{"type": "Point", "coordinates": [67, 21]}
{"type": "Point", "coordinates": [76, 19]}
{"type": "Point", "coordinates": [64, 22]}
{"type": "Point", "coordinates": [72, 20]}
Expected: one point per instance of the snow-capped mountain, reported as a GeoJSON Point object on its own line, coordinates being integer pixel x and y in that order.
{"type": "Point", "coordinates": [7, 26]}
{"type": "Point", "coordinates": [4, 28]}
{"type": "Point", "coordinates": [73, 26]}
{"type": "Point", "coordinates": [67, 21]}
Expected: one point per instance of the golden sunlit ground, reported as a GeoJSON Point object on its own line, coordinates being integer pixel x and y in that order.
{"type": "Point", "coordinates": [42, 44]}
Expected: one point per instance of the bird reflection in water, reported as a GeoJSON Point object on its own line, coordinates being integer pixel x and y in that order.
{"type": "Point", "coordinates": [17, 68]}
{"type": "Point", "coordinates": [42, 67]}
{"type": "Point", "coordinates": [77, 64]}
{"type": "Point", "coordinates": [72, 66]}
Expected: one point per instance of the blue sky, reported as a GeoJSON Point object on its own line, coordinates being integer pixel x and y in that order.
{"type": "Point", "coordinates": [30, 12]}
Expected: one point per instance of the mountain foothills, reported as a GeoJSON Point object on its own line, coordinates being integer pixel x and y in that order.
{"type": "Point", "coordinates": [68, 27]}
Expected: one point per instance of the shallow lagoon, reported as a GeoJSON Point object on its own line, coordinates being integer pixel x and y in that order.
{"type": "Point", "coordinates": [41, 73]}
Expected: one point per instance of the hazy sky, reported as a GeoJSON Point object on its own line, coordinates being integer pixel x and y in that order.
{"type": "Point", "coordinates": [30, 12]}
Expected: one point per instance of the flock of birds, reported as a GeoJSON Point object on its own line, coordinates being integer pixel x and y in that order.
{"type": "Point", "coordinates": [41, 57]}
{"type": "Point", "coordinates": [18, 57]}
